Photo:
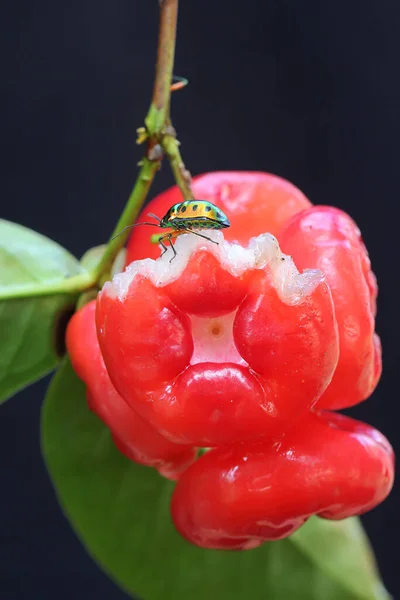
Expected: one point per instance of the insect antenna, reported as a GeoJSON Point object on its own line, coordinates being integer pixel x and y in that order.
{"type": "Point", "coordinates": [154, 217]}
{"type": "Point", "coordinates": [136, 225]}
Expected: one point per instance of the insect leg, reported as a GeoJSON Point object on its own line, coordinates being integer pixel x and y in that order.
{"type": "Point", "coordinates": [161, 242]}
{"type": "Point", "coordinates": [170, 236]}
{"type": "Point", "coordinates": [201, 235]}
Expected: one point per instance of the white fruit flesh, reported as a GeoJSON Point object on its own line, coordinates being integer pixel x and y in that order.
{"type": "Point", "coordinates": [262, 252]}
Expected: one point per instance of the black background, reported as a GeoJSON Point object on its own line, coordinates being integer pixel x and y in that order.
{"type": "Point", "coordinates": [308, 90]}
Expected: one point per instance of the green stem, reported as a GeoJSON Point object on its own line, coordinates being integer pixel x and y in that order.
{"type": "Point", "coordinates": [72, 285]}
{"type": "Point", "coordinates": [129, 215]}
{"type": "Point", "coordinates": [165, 56]}
{"type": "Point", "coordinates": [159, 109]}
{"type": "Point", "coordinates": [155, 122]}
{"type": "Point", "coordinates": [170, 145]}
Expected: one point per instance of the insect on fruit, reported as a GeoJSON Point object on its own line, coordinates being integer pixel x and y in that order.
{"type": "Point", "coordinates": [185, 217]}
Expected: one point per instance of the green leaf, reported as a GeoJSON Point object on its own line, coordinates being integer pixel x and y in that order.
{"type": "Point", "coordinates": [342, 551]}
{"type": "Point", "coordinates": [121, 513]}
{"type": "Point", "coordinates": [39, 284]}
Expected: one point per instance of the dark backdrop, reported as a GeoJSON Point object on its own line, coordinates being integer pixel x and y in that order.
{"type": "Point", "coordinates": [308, 90]}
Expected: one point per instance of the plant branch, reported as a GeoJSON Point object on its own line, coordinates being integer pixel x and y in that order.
{"type": "Point", "coordinates": [165, 54]}
{"type": "Point", "coordinates": [183, 178]}
{"type": "Point", "coordinates": [153, 132]}
{"type": "Point", "coordinates": [158, 119]}
{"type": "Point", "coordinates": [160, 137]}
{"type": "Point", "coordinates": [129, 215]}
{"type": "Point", "coordinates": [159, 109]}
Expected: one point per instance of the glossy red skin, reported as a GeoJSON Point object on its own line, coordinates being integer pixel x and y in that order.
{"type": "Point", "coordinates": [294, 349]}
{"type": "Point", "coordinates": [253, 202]}
{"type": "Point", "coordinates": [132, 435]}
{"type": "Point", "coordinates": [241, 496]}
{"type": "Point", "coordinates": [147, 345]}
{"type": "Point", "coordinates": [145, 340]}
{"type": "Point", "coordinates": [326, 238]}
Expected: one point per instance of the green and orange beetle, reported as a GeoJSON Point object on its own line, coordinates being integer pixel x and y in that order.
{"type": "Point", "coordinates": [185, 217]}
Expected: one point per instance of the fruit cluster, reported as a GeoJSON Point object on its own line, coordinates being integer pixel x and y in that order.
{"type": "Point", "coordinates": [244, 348]}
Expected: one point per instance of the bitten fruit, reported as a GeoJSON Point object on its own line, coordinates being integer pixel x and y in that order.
{"type": "Point", "coordinates": [244, 344]}
{"type": "Point", "coordinates": [223, 344]}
